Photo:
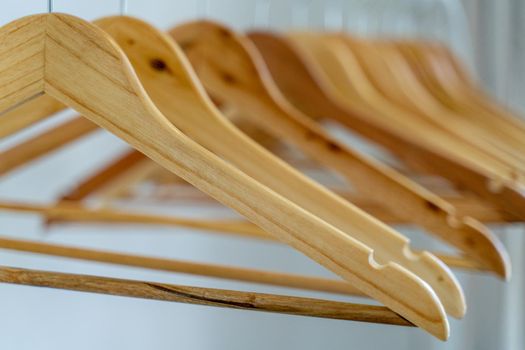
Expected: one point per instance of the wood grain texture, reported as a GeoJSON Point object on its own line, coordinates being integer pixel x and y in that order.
{"type": "Point", "coordinates": [203, 296]}
{"type": "Point", "coordinates": [86, 70]}
{"type": "Point", "coordinates": [404, 198]}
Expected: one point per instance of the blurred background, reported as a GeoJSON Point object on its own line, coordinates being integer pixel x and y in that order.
{"type": "Point", "coordinates": [487, 35]}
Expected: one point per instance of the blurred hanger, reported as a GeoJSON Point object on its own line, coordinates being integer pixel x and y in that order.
{"type": "Point", "coordinates": [241, 81]}
{"type": "Point", "coordinates": [436, 154]}
{"type": "Point", "coordinates": [293, 78]}
{"type": "Point", "coordinates": [170, 84]}
{"type": "Point", "coordinates": [393, 78]}
{"type": "Point", "coordinates": [82, 67]}
{"type": "Point", "coordinates": [442, 74]}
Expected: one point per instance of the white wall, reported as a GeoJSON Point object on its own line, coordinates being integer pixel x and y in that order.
{"type": "Point", "coordinates": [34, 318]}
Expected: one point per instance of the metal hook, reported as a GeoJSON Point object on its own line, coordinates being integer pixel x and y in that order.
{"type": "Point", "coordinates": [203, 8]}
{"type": "Point", "coordinates": [123, 7]}
{"type": "Point", "coordinates": [333, 18]}
{"type": "Point", "coordinates": [49, 6]}
{"type": "Point", "coordinates": [301, 13]}
{"type": "Point", "coordinates": [262, 14]}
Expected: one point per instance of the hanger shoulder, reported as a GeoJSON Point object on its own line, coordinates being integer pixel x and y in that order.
{"type": "Point", "coordinates": [22, 61]}
{"type": "Point", "coordinates": [85, 69]}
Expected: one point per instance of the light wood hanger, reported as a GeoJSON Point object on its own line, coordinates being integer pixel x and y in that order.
{"type": "Point", "coordinates": [242, 80]}
{"type": "Point", "coordinates": [394, 79]}
{"type": "Point", "coordinates": [403, 140]}
{"type": "Point", "coordinates": [165, 76]}
{"type": "Point", "coordinates": [82, 67]}
{"type": "Point", "coordinates": [443, 75]}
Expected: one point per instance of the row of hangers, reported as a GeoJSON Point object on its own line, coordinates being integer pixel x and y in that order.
{"type": "Point", "coordinates": [173, 96]}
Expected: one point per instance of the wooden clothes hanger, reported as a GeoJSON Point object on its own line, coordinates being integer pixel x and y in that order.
{"type": "Point", "coordinates": [82, 67]}
{"type": "Point", "coordinates": [392, 76]}
{"type": "Point", "coordinates": [241, 81]}
{"type": "Point", "coordinates": [176, 94]}
{"type": "Point", "coordinates": [433, 154]}
{"type": "Point", "coordinates": [448, 81]}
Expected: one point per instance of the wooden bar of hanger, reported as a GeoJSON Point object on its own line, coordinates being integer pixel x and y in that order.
{"type": "Point", "coordinates": [80, 65]}
{"type": "Point", "coordinates": [243, 81]}
{"type": "Point", "coordinates": [440, 72]}
{"type": "Point", "coordinates": [64, 212]}
{"type": "Point", "coordinates": [101, 178]}
{"type": "Point", "coordinates": [42, 144]}
{"type": "Point", "coordinates": [24, 115]}
{"type": "Point", "coordinates": [203, 296]}
{"type": "Point", "coordinates": [177, 96]}
{"type": "Point", "coordinates": [414, 152]}
{"type": "Point", "coordinates": [186, 267]}
{"type": "Point", "coordinates": [464, 205]}
{"type": "Point", "coordinates": [67, 211]}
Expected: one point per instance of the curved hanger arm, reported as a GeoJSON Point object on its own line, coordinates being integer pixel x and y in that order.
{"type": "Point", "coordinates": [82, 67]}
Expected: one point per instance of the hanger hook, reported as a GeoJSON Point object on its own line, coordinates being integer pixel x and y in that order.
{"type": "Point", "coordinates": [301, 13]}
{"type": "Point", "coordinates": [262, 13]}
{"type": "Point", "coordinates": [203, 8]}
{"type": "Point", "coordinates": [333, 16]}
{"type": "Point", "coordinates": [49, 6]}
{"type": "Point", "coordinates": [123, 7]}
